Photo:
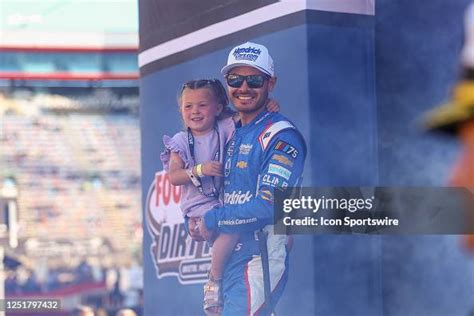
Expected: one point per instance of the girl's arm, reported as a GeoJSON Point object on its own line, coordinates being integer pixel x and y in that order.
{"type": "Point", "coordinates": [178, 175]}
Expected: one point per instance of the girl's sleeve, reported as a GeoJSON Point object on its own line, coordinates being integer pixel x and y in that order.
{"type": "Point", "coordinates": [175, 144]}
{"type": "Point", "coordinates": [227, 126]}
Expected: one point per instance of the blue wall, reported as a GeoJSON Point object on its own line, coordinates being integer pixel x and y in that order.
{"type": "Point", "coordinates": [343, 143]}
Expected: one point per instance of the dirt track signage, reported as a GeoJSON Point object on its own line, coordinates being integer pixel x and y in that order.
{"type": "Point", "coordinates": [174, 254]}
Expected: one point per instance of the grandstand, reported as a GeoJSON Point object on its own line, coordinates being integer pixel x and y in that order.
{"type": "Point", "coordinates": [69, 134]}
{"type": "Point", "coordinates": [77, 177]}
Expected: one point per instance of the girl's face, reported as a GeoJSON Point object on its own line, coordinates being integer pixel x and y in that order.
{"type": "Point", "coordinates": [199, 109]}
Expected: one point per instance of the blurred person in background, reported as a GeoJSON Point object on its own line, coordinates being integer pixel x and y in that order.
{"type": "Point", "coordinates": [126, 312]}
{"type": "Point", "coordinates": [116, 296]}
{"type": "Point", "coordinates": [457, 119]}
{"type": "Point", "coordinates": [101, 311]}
{"type": "Point", "coordinates": [83, 310]}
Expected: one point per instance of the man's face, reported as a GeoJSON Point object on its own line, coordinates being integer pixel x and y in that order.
{"type": "Point", "coordinates": [248, 100]}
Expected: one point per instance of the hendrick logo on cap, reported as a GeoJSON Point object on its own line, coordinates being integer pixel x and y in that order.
{"type": "Point", "coordinates": [247, 53]}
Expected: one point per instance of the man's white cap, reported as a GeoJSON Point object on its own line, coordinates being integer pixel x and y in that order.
{"type": "Point", "coordinates": [467, 54]}
{"type": "Point", "coordinates": [252, 55]}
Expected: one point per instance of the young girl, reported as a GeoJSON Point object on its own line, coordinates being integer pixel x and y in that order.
{"type": "Point", "coordinates": [193, 159]}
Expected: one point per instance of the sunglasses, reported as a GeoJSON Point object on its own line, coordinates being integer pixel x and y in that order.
{"type": "Point", "coordinates": [253, 81]}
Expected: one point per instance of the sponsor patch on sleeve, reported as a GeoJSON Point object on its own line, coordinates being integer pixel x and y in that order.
{"type": "Point", "coordinates": [286, 148]}
{"type": "Point", "coordinates": [279, 171]}
{"type": "Point", "coordinates": [266, 195]}
{"type": "Point", "coordinates": [274, 182]}
{"type": "Point", "coordinates": [282, 159]}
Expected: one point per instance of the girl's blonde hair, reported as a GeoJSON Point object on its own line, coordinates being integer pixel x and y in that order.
{"type": "Point", "coordinates": [216, 88]}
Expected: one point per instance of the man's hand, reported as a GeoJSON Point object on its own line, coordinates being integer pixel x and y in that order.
{"type": "Point", "coordinates": [208, 235]}
{"type": "Point", "coordinates": [273, 105]}
{"type": "Point", "coordinates": [193, 225]}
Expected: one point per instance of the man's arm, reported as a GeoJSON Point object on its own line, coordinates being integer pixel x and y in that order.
{"type": "Point", "coordinates": [281, 168]}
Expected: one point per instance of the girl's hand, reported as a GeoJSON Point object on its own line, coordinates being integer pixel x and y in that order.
{"type": "Point", "coordinates": [273, 106]}
{"type": "Point", "coordinates": [236, 117]}
{"type": "Point", "coordinates": [212, 168]}
{"type": "Point", "coordinates": [193, 225]}
{"type": "Point", "coordinates": [208, 235]}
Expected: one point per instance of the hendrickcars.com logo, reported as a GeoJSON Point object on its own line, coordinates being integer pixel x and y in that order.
{"type": "Point", "coordinates": [172, 251]}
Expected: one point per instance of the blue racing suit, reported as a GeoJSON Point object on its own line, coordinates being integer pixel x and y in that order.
{"type": "Point", "coordinates": [265, 155]}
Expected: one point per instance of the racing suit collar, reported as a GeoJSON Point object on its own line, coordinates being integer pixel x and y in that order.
{"type": "Point", "coordinates": [259, 118]}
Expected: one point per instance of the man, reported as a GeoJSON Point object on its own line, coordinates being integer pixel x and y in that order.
{"type": "Point", "coordinates": [265, 154]}
{"type": "Point", "coordinates": [457, 119]}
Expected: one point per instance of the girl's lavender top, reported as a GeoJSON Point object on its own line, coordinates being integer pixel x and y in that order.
{"type": "Point", "coordinates": [193, 203]}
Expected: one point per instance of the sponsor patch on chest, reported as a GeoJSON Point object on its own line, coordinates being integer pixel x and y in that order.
{"type": "Point", "coordinates": [241, 164]}
{"type": "Point", "coordinates": [245, 149]}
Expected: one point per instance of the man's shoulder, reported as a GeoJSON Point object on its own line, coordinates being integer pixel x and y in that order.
{"type": "Point", "coordinates": [277, 116]}
{"type": "Point", "coordinates": [277, 127]}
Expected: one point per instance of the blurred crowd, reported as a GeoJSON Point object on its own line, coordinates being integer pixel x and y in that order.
{"type": "Point", "coordinates": [97, 287]}
{"type": "Point", "coordinates": [26, 281]}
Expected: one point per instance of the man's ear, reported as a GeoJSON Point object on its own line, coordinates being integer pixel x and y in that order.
{"type": "Point", "coordinates": [271, 83]}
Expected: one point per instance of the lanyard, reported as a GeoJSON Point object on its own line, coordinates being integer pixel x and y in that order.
{"type": "Point", "coordinates": [217, 157]}
{"type": "Point", "coordinates": [228, 159]}
{"type": "Point", "coordinates": [230, 147]}
{"type": "Point", "coordinates": [191, 145]}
